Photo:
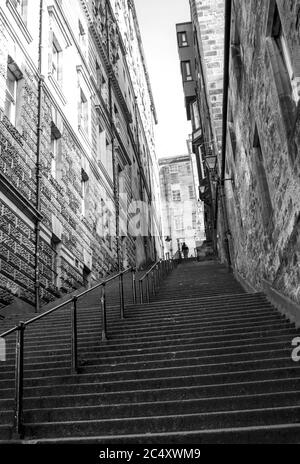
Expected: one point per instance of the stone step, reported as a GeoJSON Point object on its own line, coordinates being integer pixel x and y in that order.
{"type": "Point", "coordinates": [238, 375]}
{"type": "Point", "coordinates": [269, 434]}
{"type": "Point", "coordinates": [190, 406]}
{"type": "Point", "coordinates": [170, 423]}
{"type": "Point", "coordinates": [56, 375]}
{"type": "Point", "coordinates": [268, 386]}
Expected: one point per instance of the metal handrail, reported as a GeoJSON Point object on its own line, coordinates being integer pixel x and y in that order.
{"type": "Point", "coordinates": [52, 310]}
{"type": "Point", "coordinates": [20, 332]}
{"type": "Point", "coordinates": [159, 269]}
{"type": "Point", "coordinates": [151, 269]}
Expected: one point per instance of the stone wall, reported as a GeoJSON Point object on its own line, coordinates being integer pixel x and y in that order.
{"type": "Point", "coordinates": [263, 249]}
{"type": "Point", "coordinates": [78, 240]}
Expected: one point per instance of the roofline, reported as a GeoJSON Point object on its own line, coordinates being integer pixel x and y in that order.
{"type": "Point", "coordinates": [140, 43]}
{"type": "Point", "coordinates": [183, 24]}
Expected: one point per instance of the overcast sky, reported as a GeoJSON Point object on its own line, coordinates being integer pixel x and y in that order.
{"type": "Point", "coordinates": [157, 19]}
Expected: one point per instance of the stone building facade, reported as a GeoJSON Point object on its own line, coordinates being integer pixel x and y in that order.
{"type": "Point", "coordinates": [75, 151]}
{"type": "Point", "coordinates": [253, 192]}
{"type": "Point", "coordinates": [182, 212]}
{"type": "Point", "coordinates": [201, 50]}
{"type": "Point", "coordinates": [263, 143]}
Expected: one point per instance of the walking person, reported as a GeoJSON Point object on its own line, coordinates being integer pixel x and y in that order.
{"type": "Point", "coordinates": [185, 250]}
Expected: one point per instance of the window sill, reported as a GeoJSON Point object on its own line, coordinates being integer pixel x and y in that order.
{"type": "Point", "coordinates": [18, 18]}
{"type": "Point", "coordinates": [57, 88]}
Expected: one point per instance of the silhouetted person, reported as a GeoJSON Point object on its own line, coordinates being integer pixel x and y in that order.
{"type": "Point", "coordinates": [185, 250]}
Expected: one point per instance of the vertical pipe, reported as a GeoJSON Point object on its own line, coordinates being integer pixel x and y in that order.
{"type": "Point", "coordinates": [141, 290]}
{"type": "Point", "coordinates": [153, 283]}
{"type": "Point", "coordinates": [103, 314]}
{"type": "Point", "coordinates": [121, 293]}
{"type": "Point", "coordinates": [19, 381]}
{"type": "Point", "coordinates": [74, 361]}
{"type": "Point", "coordinates": [148, 289]}
{"type": "Point", "coordinates": [38, 162]}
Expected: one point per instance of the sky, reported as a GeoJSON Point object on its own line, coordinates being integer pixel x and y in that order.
{"type": "Point", "coordinates": [157, 20]}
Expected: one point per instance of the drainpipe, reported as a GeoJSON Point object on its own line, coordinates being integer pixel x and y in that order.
{"type": "Point", "coordinates": [221, 184]}
{"type": "Point", "coordinates": [38, 159]}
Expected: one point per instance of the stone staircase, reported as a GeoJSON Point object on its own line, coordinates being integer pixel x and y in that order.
{"type": "Point", "coordinates": [203, 362]}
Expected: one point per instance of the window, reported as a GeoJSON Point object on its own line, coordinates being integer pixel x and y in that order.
{"type": "Point", "coordinates": [182, 39]}
{"type": "Point", "coordinates": [56, 261]}
{"type": "Point", "coordinates": [12, 95]}
{"type": "Point", "coordinates": [186, 71]}
{"type": "Point", "coordinates": [191, 192]}
{"type": "Point", "coordinates": [178, 223]}
{"type": "Point", "coordinates": [232, 132]}
{"type": "Point", "coordinates": [176, 195]}
{"type": "Point", "coordinates": [196, 116]}
{"type": "Point", "coordinates": [264, 193]}
{"type": "Point", "coordinates": [287, 83]}
{"type": "Point", "coordinates": [56, 65]}
{"type": "Point", "coordinates": [174, 178]}
{"type": "Point", "coordinates": [194, 220]}
{"type": "Point", "coordinates": [98, 76]}
{"type": "Point", "coordinates": [83, 112]}
{"type": "Point", "coordinates": [84, 191]}
{"type": "Point", "coordinates": [188, 168]}
{"type": "Point", "coordinates": [82, 36]}
{"type": "Point", "coordinates": [173, 168]}
{"type": "Point", "coordinates": [21, 7]}
{"type": "Point", "coordinates": [55, 149]}
{"type": "Point", "coordinates": [283, 50]}
{"type": "Point", "coordinates": [101, 144]}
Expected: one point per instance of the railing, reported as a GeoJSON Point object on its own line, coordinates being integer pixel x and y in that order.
{"type": "Point", "coordinates": [20, 336]}
{"type": "Point", "coordinates": [153, 277]}
{"type": "Point", "coordinates": [149, 283]}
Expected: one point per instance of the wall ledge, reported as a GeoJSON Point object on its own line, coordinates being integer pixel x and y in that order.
{"type": "Point", "coordinates": [285, 305]}
{"type": "Point", "coordinates": [244, 283]}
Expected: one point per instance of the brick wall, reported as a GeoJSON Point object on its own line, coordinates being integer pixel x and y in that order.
{"type": "Point", "coordinates": [209, 16]}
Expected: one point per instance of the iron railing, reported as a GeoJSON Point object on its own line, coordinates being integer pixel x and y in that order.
{"type": "Point", "coordinates": [150, 281]}
{"type": "Point", "coordinates": [20, 337]}
{"type": "Point", "coordinates": [155, 274]}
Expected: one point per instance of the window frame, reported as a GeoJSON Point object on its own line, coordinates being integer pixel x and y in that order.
{"type": "Point", "coordinates": [12, 96]}
{"type": "Point", "coordinates": [187, 74]}
{"type": "Point", "coordinates": [83, 111]}
{"type": "Point", "coordinates": [56, 60]}
{"type": "Point", "coordinates": [182, 43]}
{"type": "Point", "coordinates": [176, 195]}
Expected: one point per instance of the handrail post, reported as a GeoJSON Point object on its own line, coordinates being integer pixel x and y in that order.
{"type": "Point", "coordinates": [121, 292]}
{"type": "Point", "coordinates": [153, 283]}
{"type": "Point", "coordinates": [141, 290]}
{"type": "Point", "coordinates": [133, 285]}
{"type": "Point", "coordinates": [148, 289]}
{"type": "Point", "coordinates": [103, 313]}
{"type": "Point", "coordinates": [19, 381]}
{"type": "Point", "coordinates": [156, 277]}
{"type": "Point", "coordinates": [74, 362]}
